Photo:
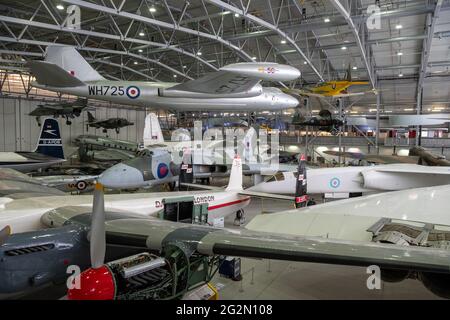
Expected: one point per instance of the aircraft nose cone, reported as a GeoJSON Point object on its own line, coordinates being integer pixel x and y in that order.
{"type": "Point", "coordinates": [291, 102]}
{"type": "Point", "coordinates": [121, 176]}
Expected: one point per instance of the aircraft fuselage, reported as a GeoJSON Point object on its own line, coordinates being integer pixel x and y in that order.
{"type": "Point", "coordinates": [153, 94]}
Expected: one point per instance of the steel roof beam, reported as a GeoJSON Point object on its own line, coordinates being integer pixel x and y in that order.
{"type": "Point", "coordinates": [339, 7]}
{"type": "Point", "coordinates": [161, 24]}
{"type": "Point", "coordinates": [104, 36]}
{"type": "Point", "coordinates": [125, 53]}
{"type": "Point", "coordinates": [269, 26]}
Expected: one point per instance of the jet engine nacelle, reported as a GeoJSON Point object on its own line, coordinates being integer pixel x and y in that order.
{"type": "Point", "coordinates": [253, 92]}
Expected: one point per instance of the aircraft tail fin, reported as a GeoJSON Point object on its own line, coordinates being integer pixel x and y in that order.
{"type": "Point", "coordinates": [91, 117]}
{"type": "Point", "coordinates": [301, 198]}
{"type": "Point", "coordinates": [70, 60]}
{"type": "Point", "coordinates": [152, 130]}
{"type": "Point", "coordinates": [235, 182]}
{"type": "Point", "coordinates": [50, 142]}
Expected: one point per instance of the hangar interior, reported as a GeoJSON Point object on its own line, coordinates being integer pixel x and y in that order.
{"type": "Point", "coordinates": [398, 50]}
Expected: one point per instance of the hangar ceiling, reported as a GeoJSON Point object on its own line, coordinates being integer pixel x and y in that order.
{"type": "Point", "coordinates": [173, 40]}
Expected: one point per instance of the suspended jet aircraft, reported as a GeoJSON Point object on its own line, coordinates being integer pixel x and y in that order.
{"type": "Point", "coordinates": [233, 87]}
{"type": "Point", "coordinates": [48, 152]}
{"type": "Point", "coordinates": [68, 110]}
{"type": "Point", "coordinates": [111, 123]}
{"type": "Point", "coordinates": [324, 122]}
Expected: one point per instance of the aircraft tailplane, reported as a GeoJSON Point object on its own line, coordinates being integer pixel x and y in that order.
{"type": "Point", "coordinates": [70, 60]}
{"type": "Point", "coordinates": [152, 130]}
{"type": "Point", "coordinates": [91, 117]}
{"type": "Point", "coordinates": [235, 182]}
{"type": "Point", "coordinates": [50, 142]}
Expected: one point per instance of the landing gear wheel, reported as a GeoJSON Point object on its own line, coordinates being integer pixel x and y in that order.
{"type": "Point", "coordinates": [68, 122]}
{"type": "Point", "coordinates": [105, 131]}
{"type": "Point", "coordinates": [240, 218]}
{"type": "Point", "coordinates": [172, 185]}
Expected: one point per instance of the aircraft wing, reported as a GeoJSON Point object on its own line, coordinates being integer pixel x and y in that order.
{"type": "Point", "coordinates": [416, 169]}
{"type": "Point", "coordinates": [14, 182]}
{"type": "Point", "coordinates": [377, 158]}
{"type": "Point", "coordinates": [157, 234]}
{"type": "Point", "coordinates": [238, 78]}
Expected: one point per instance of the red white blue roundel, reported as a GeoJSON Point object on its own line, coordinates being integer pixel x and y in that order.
{"type": "Point", "coordinates": [133, 92]}
{"type": "Point", "coordinates": [162, 171]}
{"type": "Point", "coordinates": [335, 183]}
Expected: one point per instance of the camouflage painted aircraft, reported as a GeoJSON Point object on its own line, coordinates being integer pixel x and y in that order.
{"type": "Point", "coordinates": [68, 110]}
{"type": "Point", "coordinates": [233, 87]}
{"type": "Point", "coordinates": [111, 123]}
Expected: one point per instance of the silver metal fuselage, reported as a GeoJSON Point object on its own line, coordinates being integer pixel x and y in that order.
{"type": "Point", "coordinates": [153, 95]}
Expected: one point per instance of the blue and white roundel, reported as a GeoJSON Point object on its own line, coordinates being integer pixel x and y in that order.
{"type": "Point", "coordinates": [133, 92]}
{"type": "Point", "coordinates": [162, 171]}
{"type": "Point", "coordinates": [335, 183]}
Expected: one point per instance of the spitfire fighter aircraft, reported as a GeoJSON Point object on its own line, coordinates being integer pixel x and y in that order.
{"type": "Point", "coordinates": [160, 259]}
{"type": "Point", "coordinates": [233, 87]}
{"type": "Point", "coordinates": [67, 110]}
{"type": "Point", "coordinates": [111, 123]}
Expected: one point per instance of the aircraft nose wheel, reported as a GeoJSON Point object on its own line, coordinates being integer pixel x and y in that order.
{"type": "Point", "coordinates": [240, 218]}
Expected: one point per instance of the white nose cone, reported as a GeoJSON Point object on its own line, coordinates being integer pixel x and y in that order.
{"type": "Point", "coordinates": [264, 70]}
{"type": "Point", "coordinates": [121, 176]}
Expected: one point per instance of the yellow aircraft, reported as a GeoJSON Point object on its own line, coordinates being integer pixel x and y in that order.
{"type": "Point", "coordinates": [335, 89]}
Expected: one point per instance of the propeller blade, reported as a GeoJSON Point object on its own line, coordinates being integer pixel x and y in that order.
{"type": "Point", "coordinates": [4, 234]}
{"type": "Point", "coordinates": [98, 237]}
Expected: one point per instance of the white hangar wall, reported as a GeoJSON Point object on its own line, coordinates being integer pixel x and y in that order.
{"type": "Point", "coordinates": [19, 131]}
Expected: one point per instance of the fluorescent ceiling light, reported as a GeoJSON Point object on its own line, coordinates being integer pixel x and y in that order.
{"type": "Point", "coordinates": [253, 58]}
{"type": "Point", "coordinates": [398, 26]}
{"type": "Point", "coordinates": [399, 53]}
{"type": "Point", "coordinates": [408, 109]}
{"type": "Point", "coordinates": [326, 20]}
{"type": "Point", "coordinates": [142, 33]}
{"type": "Point", "coordinates": [355, 68]}
{"type": "Point", "coordinates": [400, 75]}
{"type": "Point", "coordinates": [60, 7]}
{"type": "Point", "coordinates": [135, 62]}
{"type": "Point", "coordinates": [283, 41]}
{"type": "Point", "coordinates": [152, 9]}
{"type": "Point", "coordinates": [344, 48]}
{"type": "Point", "coordinates": [199, 53]}
{"type": "Point", "coordinates": [140, 50]}
{"type": "Point", "coordinates": [236, 15]}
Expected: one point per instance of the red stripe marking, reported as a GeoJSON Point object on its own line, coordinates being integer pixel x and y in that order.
{"type": "Point", "coordinates": [226, 204]}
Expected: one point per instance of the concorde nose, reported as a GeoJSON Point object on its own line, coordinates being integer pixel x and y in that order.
{"type": "Point", "coordinates": [121, 176]}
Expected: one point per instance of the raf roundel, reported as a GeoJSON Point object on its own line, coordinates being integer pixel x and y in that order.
{"type": "Point", "coordinates": [133, 92]}
{"type": "Point", "coordinates": [162, 170]}
{"type": "Point", "coordinates": [335, 183]}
